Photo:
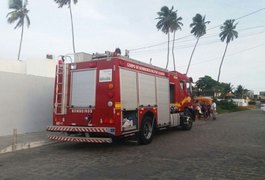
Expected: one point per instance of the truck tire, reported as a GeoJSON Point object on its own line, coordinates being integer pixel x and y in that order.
{"type": "Point", "coordinates": [187, 125]}
{"type": "Point", "coordinates": [146, 132]}
{"type": "Point", "coordinates": [187, 121]}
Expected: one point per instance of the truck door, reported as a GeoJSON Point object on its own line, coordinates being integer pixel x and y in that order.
{"type": "Point", "coordinates": [163, 105]}
{"type": "Point", "coordinates": [129, 99]}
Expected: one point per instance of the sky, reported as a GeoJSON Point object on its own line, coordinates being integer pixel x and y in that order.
{"type": "Point", "coordinates": [103, 25]}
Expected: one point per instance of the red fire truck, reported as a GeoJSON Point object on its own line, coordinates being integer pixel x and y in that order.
{"type": "Point", "coordinates": [109, 96]}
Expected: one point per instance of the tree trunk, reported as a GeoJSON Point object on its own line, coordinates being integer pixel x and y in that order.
{"type": "Point", "coordinates": [192, 55]}
{"type": "Point", "coordinates": [20, 44]}
{"type": "Point", "coordinates": [222, 63]}
{"type": "Point", "coordinates": [72, 24]}
{"type": "Point", "coordinates": [173, 55]}
{"type": "Point", "coordinates": [168, 39]}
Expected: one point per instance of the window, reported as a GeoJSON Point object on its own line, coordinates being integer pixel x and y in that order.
{"type": "Point", "coordinates": [182, 85]}
{"type": "Point", "coordinates": [189, 87]}
{"type": "Point", "coordinates": [83, 88]}
{"type": "Point", "coordinates": [172, 93]}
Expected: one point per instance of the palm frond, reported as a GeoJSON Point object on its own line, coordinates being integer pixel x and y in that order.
{"type": "Point", "coordinates": [164, 19]}
{"type": "Point", "coordinates": [28, 20]}
{"type": "Point", "coordinates": [19, 14]}
{"type": "Point", "coordinates": [62, 3]}
{"type": "Point", "coordinates": [198, 25]}
{"type": "Point", "coordinates": [228, 32]}
{"type": "Point", "coordinates": [12, 17]}
{"type": "Point", "coordinates": [19, 23]}
{"type": "Point", "coordinates": [15, 4]}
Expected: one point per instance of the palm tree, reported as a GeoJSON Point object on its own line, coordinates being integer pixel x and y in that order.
{"type": "Point", "coordinates": [198, 30]}
{"type": "Point", "coordinates": [228, 33]}
{"type": "Point", "coordinates": [19, 13]}
{"type": "Point", "coordinates": [68, 2]}
{"type": "Point", "coordinates": [164, 23]}
{"type": "Point", "coordinates": [175, 25]}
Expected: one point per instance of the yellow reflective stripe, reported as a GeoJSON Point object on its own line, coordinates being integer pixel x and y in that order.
{"type": "Point", "coordinates": [186, 99]}
{"type": "Point", "coordinates": [178, 105]}
{"type": "Point", "coordinates": [175, 104]}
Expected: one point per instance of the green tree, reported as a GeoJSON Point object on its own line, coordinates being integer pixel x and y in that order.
{"type": "Point", "coordinates": [206, 86]}
{"type": "Point", "coordinates": [225, 88]}
{"type": "Point", "coordinates": [198, 26]}
{"type": "Point", "coordinates": [174, 26]}
{"type": "Point", "coordinates": [228, 33]}
{"type": "Point", "coordinates": [164, 23]}
{"type": "Point", "coordinates": [68, 2]}
{"type": "Point", "coordinates": [19, 13]}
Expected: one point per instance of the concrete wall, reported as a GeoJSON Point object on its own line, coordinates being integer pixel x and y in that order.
{"type": "Point", "coordinates": [25, 102]}
{"type": "Point", "coordinates": [240, 102]}
{"type": "Point", "coordinates": [45, 68]}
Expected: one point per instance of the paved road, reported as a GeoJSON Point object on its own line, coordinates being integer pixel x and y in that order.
{"type": "Point", "coordinates": [232, 147]}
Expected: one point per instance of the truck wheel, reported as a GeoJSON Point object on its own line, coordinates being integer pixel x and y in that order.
{"type": "Point", "coordinates": [146, 132]}
{"type": "Point", "coordinates": [187, 121]}
{"type": "Point", "coordinates": [187, 124]}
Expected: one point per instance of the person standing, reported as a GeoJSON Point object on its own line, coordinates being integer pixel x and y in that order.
{"type": "Point", "coordinates": [213, 110]}
{"type": "Point", "coordinates": [197, 109]}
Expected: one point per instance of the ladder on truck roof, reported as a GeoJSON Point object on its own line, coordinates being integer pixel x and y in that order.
{"type": "Point", "coordinates": [61, 89]}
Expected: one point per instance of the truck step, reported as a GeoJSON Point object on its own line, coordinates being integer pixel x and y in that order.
{"type": "Point", "coordinates": [80, 139]}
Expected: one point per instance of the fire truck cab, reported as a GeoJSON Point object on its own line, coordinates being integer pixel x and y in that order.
{"type": "Point", "coordinates": [111, 96]}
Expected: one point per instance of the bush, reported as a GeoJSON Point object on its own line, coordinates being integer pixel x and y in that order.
{"type": "Point", "coordinates": [226, 106]}
{"type": "Point", "coordinates": [252, 102]}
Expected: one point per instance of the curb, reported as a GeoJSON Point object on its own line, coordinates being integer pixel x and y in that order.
{"type": "Point", "coordinates": [22, 146]}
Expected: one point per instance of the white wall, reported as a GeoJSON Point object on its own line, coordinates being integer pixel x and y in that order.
{"type": "Point", "coordinates": [45, 68]}
{"type": "Point", "coordinates": [25, 102]}
{"type": "Point", "coordinates": [240, 102]}
{"type": "Point", "coordinates": [13, 66]}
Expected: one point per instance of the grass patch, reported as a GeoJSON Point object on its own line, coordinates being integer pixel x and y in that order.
{"type": "Point", "coordinates": [250, 107]}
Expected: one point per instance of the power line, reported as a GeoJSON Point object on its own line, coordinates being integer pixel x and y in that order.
{"type": "Point", "coordinates": [254, 12]}
{"type": "Point", "coordinates": [232, 54]}
{"type": "Point", "coordinates": [191, 40]}
{"type": "Point", "coordinates": [183, 46]}
{"type": "Point", "coordinates": [244, 29]}
{"type": "Point", "coordinates": [158, 44]}
{"type": "Point", "coordinates": [241, 17]}
{"type": "Point", "coordinates": [162, 43]}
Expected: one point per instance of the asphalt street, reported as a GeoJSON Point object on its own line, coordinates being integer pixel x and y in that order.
{"type": "Point", "coordinates": [231, 147]}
